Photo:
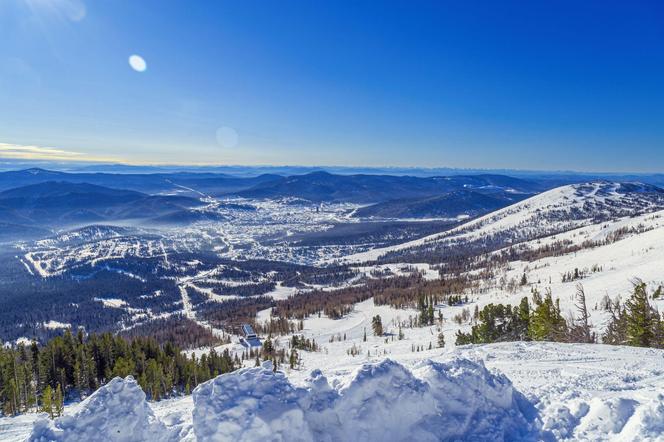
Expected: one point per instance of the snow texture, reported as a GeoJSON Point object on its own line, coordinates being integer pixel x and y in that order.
{"type": "Point", "coordinates": [456, 400]}
{"type": "Point", "coordinates": [586, 392]}
{"type": "Point", "coordinates": [117, 411]}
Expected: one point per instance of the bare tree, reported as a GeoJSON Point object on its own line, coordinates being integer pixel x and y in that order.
{"type": "Point", "coordinates": [581, 330]}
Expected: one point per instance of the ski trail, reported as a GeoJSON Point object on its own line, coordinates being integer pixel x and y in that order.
{"type": "Point", "coordinates": [163, 250]}
{"type": "Point", "coordinates": [190, 313]}
{"type": "Point", "coordinates": [186, 303]}
{"type": "Point", "coordinates": [37, 266]}
{"type": "Point", "coordinates": [27, 267]}
{"type": "Point", "coordinates": [189, 189]}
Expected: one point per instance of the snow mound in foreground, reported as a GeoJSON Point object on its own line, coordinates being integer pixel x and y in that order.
{"type": "Point", "coordinates": [457, 400]}
{"type": "Point", "coordinates": [250, 404]}
{"type": "Point", "coordinates": [117, 411]}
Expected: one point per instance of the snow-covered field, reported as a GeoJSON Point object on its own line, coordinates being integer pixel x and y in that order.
{"type": "Point", "coordinates": [550, 391]}
{"type": "Point", "coordinates": [608, 270]}
{"type": "Point", "coordinates": [528, 391]}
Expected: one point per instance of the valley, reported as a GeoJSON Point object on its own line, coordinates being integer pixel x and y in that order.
{"type": "Point", "coordinates": [263, 251]}
{"type": "Point", "coordinates": [340, 282]}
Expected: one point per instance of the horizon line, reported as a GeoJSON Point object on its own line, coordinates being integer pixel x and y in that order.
{"type": "Point", "coordinates": [78, 164]}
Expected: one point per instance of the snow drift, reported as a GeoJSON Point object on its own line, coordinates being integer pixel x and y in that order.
{"type": "Point", "coordinates": [580, 391]}
{"type": "Point", "coordinates": [457, 400]}
{"type": "Point", "coordinates": [117, 411]}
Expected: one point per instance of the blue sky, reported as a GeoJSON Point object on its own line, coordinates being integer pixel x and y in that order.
{"type": "Point", "coordinates": [529, 85]}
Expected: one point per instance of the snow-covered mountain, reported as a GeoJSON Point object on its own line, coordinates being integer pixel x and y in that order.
{"type": "Point", "coordinates": [461, 203]}
{"type": "Point", "coordinates": [555, 211]}
{"type": "Point", "coordinates": [550, 237]}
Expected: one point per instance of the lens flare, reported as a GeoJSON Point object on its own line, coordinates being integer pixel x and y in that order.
{"type": "Point", "coordinates": [137, 63]}
{"type": "Point", "coordinates": [227, 137]}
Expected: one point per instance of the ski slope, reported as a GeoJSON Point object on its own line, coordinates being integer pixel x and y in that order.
{"type": "Point", "coordinates": [609, 255]}
{"type": "Point", "coordinates": [561, 209]}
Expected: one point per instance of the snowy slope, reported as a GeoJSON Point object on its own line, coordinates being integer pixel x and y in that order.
{"type": "Point", "coordinates": [546, 391]}
{"type": "Point", "coordinates": [558, 210]}
{"type": "Point", "coordinates": [609, 269]}
{"type": "Point", "coordinates": [610, 256]}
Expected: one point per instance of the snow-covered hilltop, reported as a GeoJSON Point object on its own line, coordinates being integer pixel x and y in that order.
{"type": "Point", "coordinates": [555, 252]}
{"type": "Point", "coordinates": [555, 211]}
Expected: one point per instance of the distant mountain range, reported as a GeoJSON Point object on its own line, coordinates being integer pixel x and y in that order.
{"type": "Point", "coordinates": [454, 204]}
{"type": "Point", "coordinates": [558, 177]}
{"type": "Point", "coordinates": [35, 201]}
{"type": "Point", "coordinates": [55, 204]}
{"type": "Point", "coordinates": [365, 189]}
{"type": "Point", "coordinates": [315, 186]}
{"type": "Point", "coordinates": [180, 182]}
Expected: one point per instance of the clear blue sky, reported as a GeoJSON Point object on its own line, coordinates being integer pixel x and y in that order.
{"type": "Point", "coordinates": [535, 85]}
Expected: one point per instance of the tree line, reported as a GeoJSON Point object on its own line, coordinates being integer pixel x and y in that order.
{"type": "Point", "coordinates": [635, 323]}
{"type": "Point", "coordinates": [34, 377]}
{"type": "Point", "coordinates": [411, 291]}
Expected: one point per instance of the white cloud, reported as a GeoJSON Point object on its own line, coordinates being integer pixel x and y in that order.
{"type": "Point", "coordinates": [24, 152]}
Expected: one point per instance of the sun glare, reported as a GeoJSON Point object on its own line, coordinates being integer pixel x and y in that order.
{"type": "Point", "coordinates": [137, 63]}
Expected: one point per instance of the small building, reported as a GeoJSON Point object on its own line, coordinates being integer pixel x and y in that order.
{"type": "Point", "coordinates": [248, 332]}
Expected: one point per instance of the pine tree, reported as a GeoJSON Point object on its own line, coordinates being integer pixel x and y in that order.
{"type": "Point", "coordinates": [268, 347]}
{"type": "Point", "coordinates": [59, 401]}
{"type": "Point", "coordinates": [293, 358]}
{"type": "Point", "coordinates": [463, 338]}
{"type": "Point", "coordinates": [546, 322]}
{"type": "Point", "coordinates": [441, 340]}
{"type": "Point", "coordinates": [11, 405]}
{"type": "Point", "coordinates": [31, 395]}
{"type": "Point", "coordinates": [659, 331]}
{"type": "Point", "coordinates": [523, 319]}
{"type": "Point", "coordinates": [422, 307]}
{"type": "Point", "coordinates": [47, 401]}
{"type": "Point", "coordinates": [377, 325]}
{"type": "Point", "coordinates": [640, 318]}
{"type": "Point", "coordinates": [79, 384]}
{"type": "Point", "coordinates": [616, 329]}
{"type": "Point", "coordinates": [123, 367]}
